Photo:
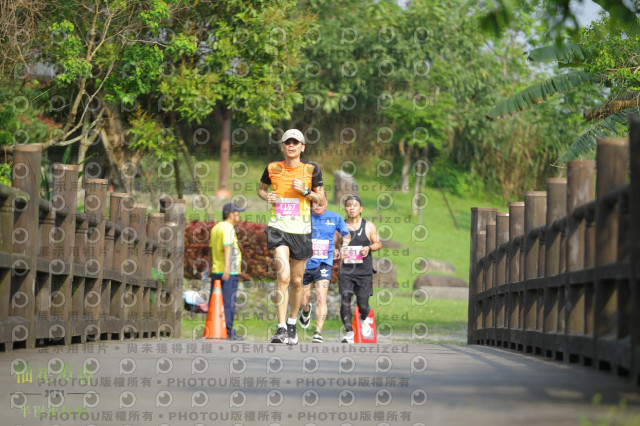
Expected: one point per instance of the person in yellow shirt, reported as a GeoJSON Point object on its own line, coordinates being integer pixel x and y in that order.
{"type": "Point", "coordinates": [227, 261]}
{"type": "Point", "coordinates": [295, 185]}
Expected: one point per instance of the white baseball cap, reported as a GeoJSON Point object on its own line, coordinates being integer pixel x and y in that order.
{"type": "Point", "coordinates": [293, 134]}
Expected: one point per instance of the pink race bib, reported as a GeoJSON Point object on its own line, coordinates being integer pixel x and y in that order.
{"type": "Point", "coordinates": [353, 254]}
{"type": "Point", "coordinates": [287, 208]}
{"type": "Point", "coordinates": [320, 249]}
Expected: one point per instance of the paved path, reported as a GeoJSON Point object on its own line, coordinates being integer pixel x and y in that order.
{"type": "Point", "coordinates": [182, 382]}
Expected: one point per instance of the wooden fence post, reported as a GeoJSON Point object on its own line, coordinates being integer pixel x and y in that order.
{"type": "Point", "coordinates": [634, 245]}
{"type": "Point", "coordinates": [611, 296]}
{"type": "Point", "coordinates": [479, 218]}
{"type": "Point", "coordinates": [95, 205]}
{"type": "Point", "coordinates": [554, 292]}
{"type": "Point", "coordinates": [26, 177]}
{"type": "Point", "coordinates": [174, 211]}
{"type": "Point", "coordinates": [534, 216]}
{"type": "Point", "coordinates": [65, 188]}
{"type": "Point", "coordinates": [579, 191]}
{"type": "Point", "coordinates": [120, 206]}
{"type": "Point", "coordinates": [502, 237]}
{"type": "Point", "coordinates": [516, 228]}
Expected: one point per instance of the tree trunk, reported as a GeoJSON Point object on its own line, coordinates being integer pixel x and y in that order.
{"type": "Point", "coordinates": [178, 179]}
{"type": "Point", "coordinates": [192, 171]}
{"type": "Point", "coordinates": [224, 116]}
{"type": "Point", "coordinates": [112, 140]}
{"type": "Point", "coordinates": [406, 165]}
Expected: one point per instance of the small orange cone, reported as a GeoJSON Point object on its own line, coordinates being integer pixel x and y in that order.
{"type": "Point", "coordinates": [357, 324]}
{"type": "Point", "coordinates": [216, 326]}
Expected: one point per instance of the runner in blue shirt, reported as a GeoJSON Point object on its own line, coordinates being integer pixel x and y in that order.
{"type": "Point", "coordinates": [326, 225]}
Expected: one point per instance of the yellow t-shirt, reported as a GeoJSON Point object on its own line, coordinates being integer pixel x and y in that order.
{"type": "Point", "coordinates": [292, 212]}
{"type": "Point", "coordinates": [223, 234]}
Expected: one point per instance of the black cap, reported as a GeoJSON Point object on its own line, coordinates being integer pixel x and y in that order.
{"type": "Point", "coordinates": [230, 207]}
{"type": "Point", "coordinates": [352, 197]}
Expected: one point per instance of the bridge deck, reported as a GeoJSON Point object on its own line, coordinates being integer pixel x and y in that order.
{"type": "Point", "coordinates": [182, 382]}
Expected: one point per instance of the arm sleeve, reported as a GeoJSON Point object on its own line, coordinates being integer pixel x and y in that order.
{"type": "Point", "coordinates": [265, 176]}
{"type": "Point", "coordinates": [316, 179]}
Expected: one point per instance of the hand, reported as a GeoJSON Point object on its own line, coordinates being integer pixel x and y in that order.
{"type": "Point", "coordinates": [271, 197]}
{"type": "Point", "coordinates": [298, 185]}
{"type": "Point", "coordinates": [225, 276]}
{"type": "Point", "coordinates": [364, 251]}
{"type": "Point", "coordinates": [337, 254]}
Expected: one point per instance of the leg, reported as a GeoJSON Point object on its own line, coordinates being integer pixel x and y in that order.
{"type": "Point", "coordinates": [229, 289]}
{"type": "Point", "coordinates": [306, 296]}
{"type": "Point", "coordinates": [283, 271]}
{"type": "Point", "coordinates": [345, 310]}
{"type": "Point", "coordinates": [296, 290]}
{"type": "Point", "coordinates": [322, 288]}
{"type": "Point", "coordinates": [363, 292]}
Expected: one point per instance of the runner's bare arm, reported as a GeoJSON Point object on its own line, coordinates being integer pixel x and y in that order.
{"type": "Point", "coordinates": [265, 195]}
{"type": "Point", "coordinates": [316, 195]}
{"type": "Point", "coordinates": [372, 234]}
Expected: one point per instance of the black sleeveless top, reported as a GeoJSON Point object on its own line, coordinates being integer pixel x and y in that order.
{"type": "Point", "coordinates": [359, 238]}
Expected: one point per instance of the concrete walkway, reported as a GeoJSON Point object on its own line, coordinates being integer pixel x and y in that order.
{"type": "Point", "coordinates": [185, 382]}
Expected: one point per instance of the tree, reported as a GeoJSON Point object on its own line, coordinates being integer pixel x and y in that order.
{"type": "Point", "coordinates": [608, 60]}
{"type": "Point", "coordinates": [253, 48]}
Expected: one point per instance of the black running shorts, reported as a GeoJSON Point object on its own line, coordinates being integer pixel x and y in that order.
{"type": "Point", "coordinates": [300, 247]}
{"type": "Point", "coordinates": [360, 285]}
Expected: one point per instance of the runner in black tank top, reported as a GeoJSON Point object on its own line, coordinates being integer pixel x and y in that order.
{"type": "Point", "coordinates": [356, 271]}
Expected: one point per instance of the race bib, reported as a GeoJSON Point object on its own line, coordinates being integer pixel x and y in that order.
{"type": "Point", "coordinates": [353, 254]}
{"type": "Point", "coordinates": [320, 249]}
{"type": "Point", "coordinates": [287, 208]}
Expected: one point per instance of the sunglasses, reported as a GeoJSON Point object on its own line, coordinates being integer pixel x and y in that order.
{"type": "Point", "coordinates": [291, 142]}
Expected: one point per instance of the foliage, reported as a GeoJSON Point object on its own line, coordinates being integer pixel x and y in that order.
{"type": "Point", "coordinates": [5, 174]}
{"type": "Point", "coordinates": [608, 58]}
{"type": "Point", "coordinates": [500, 15]}
{"type": "Point", "coordinates": [149, 136]}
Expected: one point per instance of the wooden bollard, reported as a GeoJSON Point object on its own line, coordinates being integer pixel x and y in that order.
{"type": "Point", "coordinates": [95, 205]}
{"type": "Point", "coordinates": [156, 221]}
{"type": "Point", "coordinates": [65, 188]}
{"type": "Point", "coordinates": [479, 218]}
{"type": "Point", "coordinates": [611, 162]}
{"type": "Point", "coordinates": [556, 209]}
{"type": "Point", "coordinates": [534, 217]}
{"type": "Point", "coordinates": [26, 177]}
{"type": "Point", "coordinates": [174, 211]}
{"type": "Point", "coordinates": [579, 191]}
{"type": "Point", "coordinates": [502, 236]}
{"type": "Point", "coordinates": [516, 228]}
{"type": "Point", "coordinates": [634, 243]}
{"type": "Point", "coordinates": [120, 206]}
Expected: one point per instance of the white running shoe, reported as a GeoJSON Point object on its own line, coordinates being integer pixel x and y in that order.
{"type": "Point", "coordinates": [348, 337]}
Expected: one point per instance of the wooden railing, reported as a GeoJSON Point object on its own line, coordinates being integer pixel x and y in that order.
{"type": "Point", "coordinates": [68, 276]}
{"type": "Point", "coordinates": [559, 274]}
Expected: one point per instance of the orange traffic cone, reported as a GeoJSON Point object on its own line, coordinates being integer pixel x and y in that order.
{"type": "Point", "coordinates": [216, 326]}
{"type": "Point", "coordinates": [358, 337]}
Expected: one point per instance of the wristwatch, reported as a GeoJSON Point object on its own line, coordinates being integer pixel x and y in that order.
{"type": "Point", "coordinates": [306, 192]}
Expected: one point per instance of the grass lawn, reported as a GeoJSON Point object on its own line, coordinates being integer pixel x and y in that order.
{"type": "Point", "coordinates": [399, 319]}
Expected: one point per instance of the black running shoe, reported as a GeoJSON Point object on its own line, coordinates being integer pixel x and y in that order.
{"type": "Point", "coordinates": [280, 336]}
{"type": "Point", "coordinates": [292, 334]}
{"type": "Point", "coordinates": [305, 317]}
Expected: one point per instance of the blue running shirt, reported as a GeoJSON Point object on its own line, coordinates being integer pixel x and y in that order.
{"type": "Point", "coordinates": [323, 230]}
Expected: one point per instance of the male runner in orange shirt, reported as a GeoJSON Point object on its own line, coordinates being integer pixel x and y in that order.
{"type": "Point", "coordinates": [295, 185]}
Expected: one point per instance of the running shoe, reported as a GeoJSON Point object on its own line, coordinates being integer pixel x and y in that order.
{"type": "Point", "coordinates": [317, 338]}
{"type": "Point", "coordinates": [292, 334]}
{"type": "Point", "coordinates": [305, 317]}
{"type": "Point", "coordinates": [348, 337]}
{"type": "Point", "coordinates": [280, 336]}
